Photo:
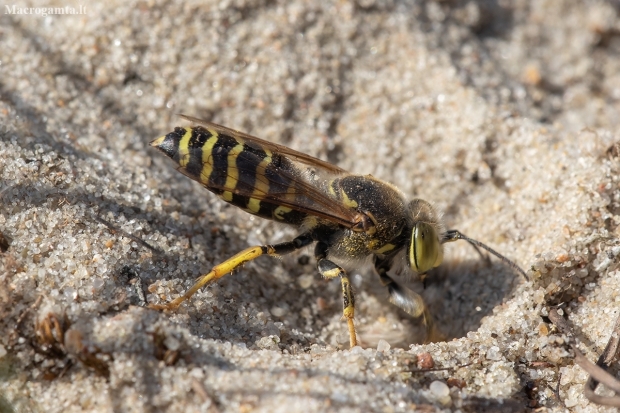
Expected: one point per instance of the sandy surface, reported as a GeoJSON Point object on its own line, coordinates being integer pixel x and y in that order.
{"type": "Point", "coordinates": [500, 113]}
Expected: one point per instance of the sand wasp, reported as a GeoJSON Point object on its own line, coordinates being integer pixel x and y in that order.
{"type": "Point", "coordinates": [349, 217]}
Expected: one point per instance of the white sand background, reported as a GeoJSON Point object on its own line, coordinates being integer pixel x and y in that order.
{"type": "Point", "coordinates": [500, 113]}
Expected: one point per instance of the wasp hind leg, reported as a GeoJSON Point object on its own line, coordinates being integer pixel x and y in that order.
{"type": "Point", "coordinates": [407, 300]}
{"type": "Point", "coordinates": [328, 269]}
{"type": "Point", "coordinates": [235, 261]}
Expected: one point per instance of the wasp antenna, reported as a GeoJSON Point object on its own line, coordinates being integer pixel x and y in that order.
{"type": "Point", "coordinates": [453, 235]}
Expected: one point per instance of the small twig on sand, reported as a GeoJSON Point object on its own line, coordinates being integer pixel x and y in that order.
{"type": "Point", "coordinates": [597, 372]}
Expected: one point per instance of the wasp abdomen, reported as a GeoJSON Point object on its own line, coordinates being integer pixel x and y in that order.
{"type": "Point", "coordinates": [242, 174]}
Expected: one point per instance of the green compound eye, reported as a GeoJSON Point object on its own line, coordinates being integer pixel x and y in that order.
{"type": "Point", "coordinates": [425, 251]}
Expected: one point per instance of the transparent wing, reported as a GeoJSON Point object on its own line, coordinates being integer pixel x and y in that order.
{"type": "Point", "coordinates": [298, 181]}
{"type": "Point", "coordinates": [274, 147]}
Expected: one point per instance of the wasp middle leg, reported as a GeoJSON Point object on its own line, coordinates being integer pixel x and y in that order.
{"type": "Point", "coordinates": [329, 269]}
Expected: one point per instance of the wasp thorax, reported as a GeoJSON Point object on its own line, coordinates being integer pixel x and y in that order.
{"type": "Point", "coordinates": [425, 250]}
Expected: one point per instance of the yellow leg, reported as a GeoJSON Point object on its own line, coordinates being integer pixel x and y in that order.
{"type": "Point", "coordinates": [433, 335]}
{"type": "Point", "coordinates": [230, 264]}
{"type": "Point", "coordinates": [348, 308]}
{"type": "Point", "coordinates": [330, 270]}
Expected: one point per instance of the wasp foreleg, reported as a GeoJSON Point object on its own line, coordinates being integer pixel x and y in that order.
{"type": "Point", "coordinates": [407, 300]}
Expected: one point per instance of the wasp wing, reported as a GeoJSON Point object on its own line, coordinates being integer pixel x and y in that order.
{"type": "Point", "coordinates": [291, 179]}
{"type": "Point", "coordinates": [274, 147]}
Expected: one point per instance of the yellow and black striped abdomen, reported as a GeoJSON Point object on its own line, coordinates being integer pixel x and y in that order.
{"type": "Point", "coordinates": [241, 173]}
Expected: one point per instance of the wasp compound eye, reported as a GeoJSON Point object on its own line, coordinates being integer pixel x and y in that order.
{"type": "Point", "coordinates": [425, 251]}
